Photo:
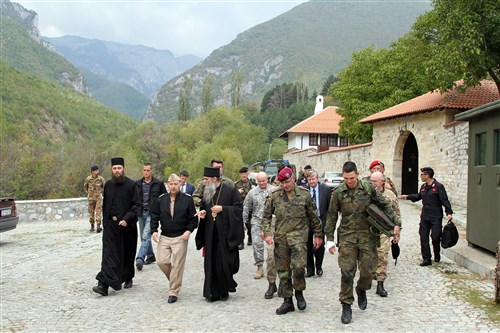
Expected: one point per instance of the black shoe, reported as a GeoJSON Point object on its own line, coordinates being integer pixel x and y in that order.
{"type": "Point", "coordinates": [286, 307]}
{"type": "Point", "coordinates": [249, 243]}
{"type": "Point", "coordinates": [150, 260]}
{"type": "Point", "coordinates": [100, 289]}
{"type": "Point", "coordinates": [241, 246]}
{"type": "Point", "coordinates": [425, 263]}
{"type": "Point", "coordinates": [437, 257]}
{"type": "Point", "coordinates": [362, 301]}
{"type": "Point", "coordinates": [270, 291]}
{"type": "Point", "coordinates": [212, 299]}
{"type": "Point", "coordinates": [319, 271]}
{"type": "Point", "coordinates": [224, 297]}
{"type": "Point", "coordinates": [139, 265]}
{"type": "Point", "coordinates": [172, 299]}
{"type": "Point", "coordinates": [99, 229]}
{"type": "Point", "coordinates": [301, 302]}
{"type": "Point", "coordinates": [380, 289]}
{"type": "Point", "coordinates": [92, 228]}
{"type": "Point", "coordinates": [309, 273]}
{"type": "Point", "coordinates": [128, 284]}
{"type": "Point", "coordinates": [346, 313]}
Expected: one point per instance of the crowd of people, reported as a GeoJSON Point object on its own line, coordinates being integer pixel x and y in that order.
{"type": "Point", "coordinates": [290, 223]}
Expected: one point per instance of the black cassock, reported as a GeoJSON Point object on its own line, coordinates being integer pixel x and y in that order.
{"type": "Point", "coordinates": [221, 240]}
{"type": "Point", "coordinates": [119, 244]}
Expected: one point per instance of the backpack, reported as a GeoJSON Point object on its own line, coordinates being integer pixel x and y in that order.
{"type": "Point", "coordinates": [449, 237]}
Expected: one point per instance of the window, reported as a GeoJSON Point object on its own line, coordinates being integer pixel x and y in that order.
{"type": "Point", "coordinates": [313, 139]}
{"type": "Point", "coordinates": [497, 147]}
{"type": "Point", "coordinates": [333, 140]}
{"type": "Point", "coordinates": [343, 142]}
{"type": "Point", "coordinates": [323, 139]}
{"type": "Point", "coordinates": [481, 149]}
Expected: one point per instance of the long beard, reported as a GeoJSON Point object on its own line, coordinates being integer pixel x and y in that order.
{"type": "Point", "coordinates": [118, 179]}
{"type": "Point", "coordinates": [209, 192]}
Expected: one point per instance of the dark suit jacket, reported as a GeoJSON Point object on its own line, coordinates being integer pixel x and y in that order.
{"type": "Point", "coordinates": [189, 188]}
{"type": "Point", "coordinates": [325, 194]}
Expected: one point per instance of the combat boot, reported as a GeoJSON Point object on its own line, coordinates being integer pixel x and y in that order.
{"type": "Point", "coordinates": [346, 313]}
{"type": "Point", "coordinates": [259, 273]}
{"type": "Point", "coordinates": [270, 291]}
{"type": "Point", "coordinates": [92, 228]}
{"type": "Point", "coordinates": [99, 229]}
{"type": "Point", "coordinates": [380, 289]}
{"type": "Point", "coordinates": [286, 307]}
{"type": "Point", "coordinates": [301, 301]}
{"type": "Point", "coordinates": [362, 301]}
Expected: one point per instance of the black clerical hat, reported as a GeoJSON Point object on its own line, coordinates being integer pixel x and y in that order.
{"type": "Point", "coordinates": [118, 161]}
{"type": "Point", "coordinates": [211, 172]}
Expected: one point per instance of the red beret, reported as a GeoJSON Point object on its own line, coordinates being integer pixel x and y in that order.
{"type": "Point", "coordinates": [284, 174]}
{"type": "Point", "coordinates": [374, 163]}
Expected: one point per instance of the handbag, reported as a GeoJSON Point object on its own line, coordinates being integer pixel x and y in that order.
{"type": "Point", "coordinates": [449, 237]}
{"type": "Point", "coordinates": [379, 221]}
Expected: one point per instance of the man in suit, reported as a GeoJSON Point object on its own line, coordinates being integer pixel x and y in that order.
{"type": "Point", "coordinates": [186, 187]}
{"type": "Point", "coordinates": [321, 195]}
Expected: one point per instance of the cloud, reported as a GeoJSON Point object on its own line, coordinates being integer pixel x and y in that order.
{"type": "Point", "coordinates": [195, 27]}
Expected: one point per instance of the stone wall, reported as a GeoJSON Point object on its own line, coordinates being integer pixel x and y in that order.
{"type": "Point", "coordinates": [52, 210]}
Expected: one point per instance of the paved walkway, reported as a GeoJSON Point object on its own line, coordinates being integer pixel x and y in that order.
{"type": "Point", "coordinates": [48, 270]}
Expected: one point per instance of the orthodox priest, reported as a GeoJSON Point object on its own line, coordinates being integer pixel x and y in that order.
{"type": "Point", "coordinates": [119, 239]}
{"type": "Point", "coordinates": [220, 231]}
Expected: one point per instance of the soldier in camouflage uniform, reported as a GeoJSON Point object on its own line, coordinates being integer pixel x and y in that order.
{"type": "Point", "coordinates": [357, 243]}
{"type": "Point", "coordinates": [378, 180]}
{"type": "Point", "coordinates": [253, 209]}
{"type": "Point", "coordinates": [198, 193]}
{"type": "Point", "coordinates": [295, 211]}
{"type": "Point", "coordinates": [94, 186]}
{"type": "Point", "coordinates": [377, 165]}
{"type": "Point", "coordinates": [244, 185]}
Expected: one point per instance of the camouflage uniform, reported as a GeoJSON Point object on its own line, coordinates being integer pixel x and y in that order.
{"type": "Point", "coordinates": [198, 193]}
{"type": "Point", "coordinates": [385, 244]}
{"type": "Point", "coordinates": [357, 245]}
{"type": "Point", "coordinates": [293, 217]}
{"type": "Point", "coordinates": [94, 188]}
{"type": "Point", "coordinates": [254, 204]}
{"type": "Point", "coordinates": [246, 187]}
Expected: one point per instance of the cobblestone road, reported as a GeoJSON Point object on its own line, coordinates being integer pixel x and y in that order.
{"type": "Point", "coordinates": [48, 270]}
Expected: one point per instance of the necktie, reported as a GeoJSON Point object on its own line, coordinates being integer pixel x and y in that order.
{"type": "Point", "coordinates": [172, 208]}
{"type": "Point", "coordinates": [314, 198]}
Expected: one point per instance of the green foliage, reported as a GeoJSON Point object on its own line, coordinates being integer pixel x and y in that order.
{"type": "Point", "coordinates": [207, 94]}
{"type": "Point", "coordinates": [463, 38]}
{"type": "Point", "coordinates": [50, 136]}
{"type": "Point", "coordinates": [184, 113]}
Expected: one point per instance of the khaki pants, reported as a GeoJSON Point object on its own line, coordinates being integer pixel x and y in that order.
{"type": "Point", "coordinates": [171, 258]}
{"type": "Point", "coordinates": [382, 253]}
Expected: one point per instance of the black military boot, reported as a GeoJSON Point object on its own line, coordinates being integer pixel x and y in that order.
{"type": "Point", "coordinates": [346, 313]}
{"type": "Point", "coordinates": [286, 307]}
{"type": "Point", "coordinates": [101, 289]}
{"type": "Point", "coordinates": [362, 301]}
{"type": "Point", "coordinates": [380, 289]}
{"type": "Point", "coordinates": [270, 291]}
{"type": "Point", "coordinates": [99, 229]}
{"type": "Point", "coordinates": [301, 301]}
{"type": "Point", "coordinates": [92, 228]}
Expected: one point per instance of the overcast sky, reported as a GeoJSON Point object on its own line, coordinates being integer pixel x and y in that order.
{"type": "Point", "coordinates": [183, 27]}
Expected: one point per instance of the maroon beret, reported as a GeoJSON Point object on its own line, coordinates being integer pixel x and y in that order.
{"type": "Point", "coordinates": [284, 174]}
{"type": "Point", "coordinates": [374, 163]}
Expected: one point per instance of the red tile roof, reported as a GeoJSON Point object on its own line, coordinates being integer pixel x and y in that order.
{"type": "Point", "coordinates": [471, 98]}
{"type": "Point", "coordinates": [324, 122]}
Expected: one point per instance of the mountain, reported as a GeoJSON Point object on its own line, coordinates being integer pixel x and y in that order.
{"type": "Point", "coordinates": [307, 43]}
{"type": "Point", "coordinates": [23, 48]}
{"type": "Point", "coordinates": [116, 95]}
{"type": "Point", "coordinates": [141, 67]}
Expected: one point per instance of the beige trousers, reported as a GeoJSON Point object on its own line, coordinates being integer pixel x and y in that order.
{"type": "Point", "coordinates": [171, 258]}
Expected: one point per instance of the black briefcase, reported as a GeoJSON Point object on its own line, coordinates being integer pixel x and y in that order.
{"type": "Point", "coordinates": [449, 237]}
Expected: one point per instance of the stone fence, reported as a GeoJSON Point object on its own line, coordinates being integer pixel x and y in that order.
{"type": "Point", "coordinates": [51, 210]}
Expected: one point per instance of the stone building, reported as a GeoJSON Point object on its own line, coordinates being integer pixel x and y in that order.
{"type": "Point", "coordinates": [416, 133]}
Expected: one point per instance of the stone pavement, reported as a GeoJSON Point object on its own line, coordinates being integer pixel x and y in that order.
{"type": "Point", "coordinates": [48, 270]}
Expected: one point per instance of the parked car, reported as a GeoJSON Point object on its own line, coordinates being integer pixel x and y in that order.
{"type": "Point", "coordinates": [331, 179]}
{"type": "Point", "coordinates": [8, 214]}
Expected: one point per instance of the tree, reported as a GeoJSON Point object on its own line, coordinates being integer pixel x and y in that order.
{"type": "Point", "coordinates": [236, 83]}
{"type": "Point", "coordinates": [464, 41]}
{"type": "Point", "coordinates": [328, 83]}
{"type": "Point", "coordinates": [184, 113]}
{"type": "Point", "coordinates": [207, 94]}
